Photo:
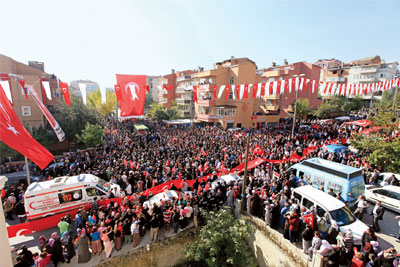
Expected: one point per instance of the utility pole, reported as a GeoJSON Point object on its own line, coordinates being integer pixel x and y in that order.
{"type": "Point", "coordinates": [28, 174]}
{"type": "Point", "coordinates": [395, 95]}
{"type": "Point", "coordinates": [295, 103]}
{"type": "Point", "coordinates": [245, 174]}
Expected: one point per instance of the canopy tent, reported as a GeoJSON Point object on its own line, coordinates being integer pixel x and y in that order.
{"type": "Point", "coordinates": [141, 127]}
{"type": "Point", "coordinates": [362, 123]}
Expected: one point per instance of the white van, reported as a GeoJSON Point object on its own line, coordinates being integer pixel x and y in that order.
{"type": "Point", "coordinates": [309, 197]}
{"type": "Point", "coordinates": [63, 193]}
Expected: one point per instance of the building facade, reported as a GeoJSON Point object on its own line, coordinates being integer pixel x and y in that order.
{"type": "Point", "coordinates": [26, 109]}
{"type": "Point", "coordinates": [152, 82]}
{"type": "Point", "coordinates": [232, 112]}
{"type": "Point", "coordinates": [166, 89]}
{"type": "Point", "coordinates": [282, 104]}
{"type": "Point", "coordinates": [185, 81]}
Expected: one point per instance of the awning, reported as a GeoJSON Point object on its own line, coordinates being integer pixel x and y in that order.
{"type": "Point", "coordinates": [141, 127]}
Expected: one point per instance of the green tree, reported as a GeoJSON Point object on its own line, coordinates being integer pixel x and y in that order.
{"type": "Point", "coordinates": [92, 135]}
{"type": "Point", "coordinates": [338, 106]}
{"type": "Point", "coordinates": [148, 101]}
{"type": "Point", "coordinates": [383, 146]}
{"type": "Point", "coordinates": [222, 241]}
{"type": "Point", "coordinates": [158, 112]}
{"type": "Point", "coordinates": [94, 102]}
{"type": "Point", "coordinates": [303, 108]}
{"type": "Point", "coordinates": [73, 119]}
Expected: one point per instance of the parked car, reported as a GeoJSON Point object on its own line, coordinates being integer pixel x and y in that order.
{"type": "Point", "coordinates": [336, 149]}
{"type": "Point", "coordinates": [383, 178]}
{"type": "Point", "coordinates": [225, 178]}
{"type": "Point", "coordinates": [389, 196]}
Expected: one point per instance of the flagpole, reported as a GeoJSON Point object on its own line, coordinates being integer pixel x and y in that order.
{"type": "Point", "coordinates": [28, 175]}
{"type": "Point", "coordinates": [245, 174]}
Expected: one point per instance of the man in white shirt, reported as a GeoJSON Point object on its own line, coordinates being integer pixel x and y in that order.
{"type": "Point", "coordinates": [128, 189]}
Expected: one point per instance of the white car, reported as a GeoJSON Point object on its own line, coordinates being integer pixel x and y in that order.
{"type": "Point", "coordinates": [389, 196]}
{"type": "Point", "coordinates": [226, 178]}
{"type": "Point", "coordinates": [384, 177]}
{"type": "Point", "coordinates": [164, 196]}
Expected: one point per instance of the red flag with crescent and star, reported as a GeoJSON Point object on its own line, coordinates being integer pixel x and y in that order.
{"type": "Point", "coordinates": [13, 133]}
{"type": "Point", "coordinates": [132, 95]}
{"type": "Point", "coordinates": [64, 90]}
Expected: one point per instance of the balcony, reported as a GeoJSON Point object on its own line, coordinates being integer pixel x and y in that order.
{"type": "Point", "coordinates": [207, 117]}
{"type": "Point", "coordinates": [206, 87]}
{"type": "Point", "coordinates": [272, 97]}
{"type": "Point", "coordinates": [335, 79]}
{"type": "Point", "coordinates": [206, 102]}
{"type": "Point", "coordinates": [368, 70]}
{"type": "Point", "coordinates": [366, 79]}
{"type": "Point", "coordinates": [183, 101]}
{"type": "Point", "coordinates": [284, 72]}
{"type": "Point", "coordinates": [272, 73]}
{"type": "Point", "coordinates": [271, 107]}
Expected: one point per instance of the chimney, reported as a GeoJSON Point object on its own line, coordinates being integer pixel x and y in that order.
{"type": "Point", "coordinates": [200, 69]}
{"type": "Point", "coordinates": [232, 57]}
{"type": "Point", "coordinates": [285, 62]}
{"type": "Point", "coordinates": [172, 71]}
{"type": "Point", "coordinates": [273, 64]}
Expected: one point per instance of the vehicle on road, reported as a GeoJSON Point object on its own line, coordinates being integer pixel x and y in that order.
{"type": "Point", "coordinates": [225, 178]}
{"type": "Point", "coordinates": [64, 193]}
{"type": "Point", "coordinates": [384, 178]}
{"type": "Point", "coordinates": [389, 196]}
{"type": "Point", "coordinates": [347, 180]}
{"type": "Point", "coordinates": [324, 203]}
{"type": "Point", "coordinates": [336, 149]}
{"type": "Point", "coordinates": [165, 196]}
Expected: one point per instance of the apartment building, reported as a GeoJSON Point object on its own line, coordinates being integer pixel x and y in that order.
{"type": "Point", "coordinates": [184, 95]}
{"type": "Point", "coordinates": [233, 112]}
{"type": "Point", "coordinates": [166, 89]}
{"type": "Point", "coordinates": [152, 82]}
{"type": "Point", "coordinates": [26, 109]}
{"type": "Point", "coordinates": [282, 104]}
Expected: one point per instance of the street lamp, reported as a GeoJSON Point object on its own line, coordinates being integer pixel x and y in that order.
{"type": "Point", "coordinates": [295, 105]}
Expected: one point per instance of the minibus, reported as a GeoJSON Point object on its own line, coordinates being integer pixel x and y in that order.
{"type": "Point", "coordinates": [347, 180]}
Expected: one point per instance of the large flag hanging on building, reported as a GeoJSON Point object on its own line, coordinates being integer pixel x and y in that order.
{"type": "Point", "coordinates": [103, 94]}
{"type": "Point", "coordinates": [65, 91]}
{"type": "Point", "coordinates": [13, 133]}
{"type": "Point", "coordinates": [132, 95]}
{"type": "Point", "coordinates": [57, 129]}
{"type": "Point", "coordinates": [46, 86]}
{"type": "Point", "coordinates": [82, 88]}
{"type": "Point", "coordinates": [5, 83]}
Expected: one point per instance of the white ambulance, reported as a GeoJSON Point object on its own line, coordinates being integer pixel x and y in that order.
{"type": "Point", "coordinates": [64, 193]}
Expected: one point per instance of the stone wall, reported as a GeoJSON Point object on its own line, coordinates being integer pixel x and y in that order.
{"type": "Point", "coordinates": [165, 253]}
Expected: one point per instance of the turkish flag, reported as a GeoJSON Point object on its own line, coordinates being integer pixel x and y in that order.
{"type": "Point", "coordinates": [215, 91]}
{"type": "Point", "coordinates": [132, 95]}
{"type": "Point", "coordinates": [117, 89]}
{"type": "Point", "coordinates": [64, 89]}
{"type": "Point", "coordinates": [246, 91]}
{"type": "Point", "coordinates": [227, 89]}
{"type": "Point", "coordinates": [22, 83]}
{"type": "Point", "coordinates": [258, 150]}
{"type": "Point", "coordinates": [195, 94]}
{"type": "Point", "coordinates": [13, 133]}
{"type": "Point", "coordinates": [167, 87]}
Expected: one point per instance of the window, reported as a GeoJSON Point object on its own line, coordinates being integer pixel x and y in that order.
{"type": "Point", "coordinates": [92, 192]}
{"type": "Point", "coordinates": [318, 181]}
{"type": "Point", "coordinates": [382, 192]}
{"type": "Point", "coordinates": [239, 125]}
{"type": "Point", "coordinates": [343, 216]}
{"type": "Point", "coordinates": [70, 196]}
{"type": "Point", "coordinates": [230, 95]}
{"type": "Point", "coordinates": [335, 187]}
{"type": "Point", "coordinates": [26, 90]}
{"type": "Point", "coordinates": [26, 111]}
{"type": "Point", "coordinates": [231, 80]}
{"type": "Point", "coordinates": [382, 75]}
{"type": "Point", "coordinates": [301, 174]}
{"type": "Point", "coordinates": [271, 79]}
{"type": "Point", "coordinates": [307, 203]}
{"type": "Point", "coordinates": [281, 78]}
{"type": "Point", "coordinates": [320, 212]}
{"type": "Point", "coordinates": [394, 195]}
{"type": "Point", "coordinates": [297, 196]}
{"type": "Point", "coordinates": [357, 190]}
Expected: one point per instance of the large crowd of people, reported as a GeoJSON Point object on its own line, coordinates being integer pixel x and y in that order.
{"type": "Point", "coordinates": [138, 161]}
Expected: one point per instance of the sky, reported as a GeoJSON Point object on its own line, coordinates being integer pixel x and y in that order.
{"type": "Point", "coordinates": [95, 39]}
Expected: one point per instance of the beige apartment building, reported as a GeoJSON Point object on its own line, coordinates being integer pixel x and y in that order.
{"type": "Point", "coordinates": [27, 109]}
{"type": "Point", "coordinates": [185, 81]}
{"type": "Point", "coordinates": [246, 113]}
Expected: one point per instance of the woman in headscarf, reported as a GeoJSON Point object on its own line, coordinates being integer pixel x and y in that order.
{"type": "Point", "coordinates": [42, 242]}
{"type": "Point", "coordinates": [332, 232]}
{"type": "Point", "coordinates": [83, 248]}
{"type": "Point", "coordinates": [324, 248]}
{"type": "Point", "coordinates": [117, 236]}
{"type": "Point", "coordinates": [57, 254]}
{"type": "Point", "coordinates": [70, 249]}
{"type": "Point", "coordinates": [96, 243]}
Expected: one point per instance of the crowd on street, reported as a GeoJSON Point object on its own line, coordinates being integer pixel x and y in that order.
{"type": "Point", "coordinates": [138, 161]}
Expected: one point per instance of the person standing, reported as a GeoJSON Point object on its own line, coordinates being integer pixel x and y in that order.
{"type": "Point", "coordinates": [108, 243]}
{"type": "Point", "coordinates": [20, 211]}
{"type": "Point", "coordinates": [83, 248]}
{"type": "Point", "coordinates": [362, 205]}
{"type": "Point", "coordinates": [377, 214]}
{"type": "Point", "coordinates": [135, 233]}
{"type": "Point", "coordinates": [8, 207]}
{"type": "Point", "coordinates": [154, 226]}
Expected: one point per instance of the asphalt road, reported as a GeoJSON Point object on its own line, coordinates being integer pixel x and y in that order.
{"type": "Point", "coordinates": [389, 225]}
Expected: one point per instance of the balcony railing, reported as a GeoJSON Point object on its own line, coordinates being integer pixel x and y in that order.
{"type": "Point", "coordinates": [207, 117]}
{"type": "Point", "coordinates": [265, 118]}
{"type": "Point", "coordinates": [368, 70]}
{"type": "Point", "coordinates": [183, 101]}
{"type": "Point", "coordinates": [208, 102]}
{"type": "Point", "coordinates": [271, 73]}
{"type": "Point", "coordinates": [206, 87]}
{"type": "Point", "coordinates": [366, 79]}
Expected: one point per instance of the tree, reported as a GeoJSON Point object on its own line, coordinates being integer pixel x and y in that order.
{"type": "Point", "coordinates": [148, 101]}
{"type": "Point", "coordinates": [338, 106]}
{"type": "Point", "coordinates": [73, 119]}
{"type": "Point", "coordinates": [222, 241]}
{"type": "Point", "coordinates": [92, 135]}
{"type": "Point", "coordinates": [383, 146]}
{"type": "Point", "coordinates": [158, 112]}
{"type": "Point", "coordinates": [303, 108]}
{"type": "Point", "coordinates": [94, 102]}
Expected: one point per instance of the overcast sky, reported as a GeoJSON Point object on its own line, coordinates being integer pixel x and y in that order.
{"type": "Point", "coordinates": [94, 39]}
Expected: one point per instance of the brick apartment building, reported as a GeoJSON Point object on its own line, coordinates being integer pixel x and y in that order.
{"type": "Point", "coordinates": [184, 82]}
{"type": "Point", "coordinates": [27, 109]}
{"type": "Point", "coordinates": [232, 112]}
{"type": "Point", "coordinates": [167, 97]}
{"type": "Point", "coordinates": [281, 104]}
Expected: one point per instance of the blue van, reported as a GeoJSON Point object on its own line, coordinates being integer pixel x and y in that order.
{"type": "Point", "coordinates": [336, 149]}
{"type": "Point", "coordinates": [331, 175]}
